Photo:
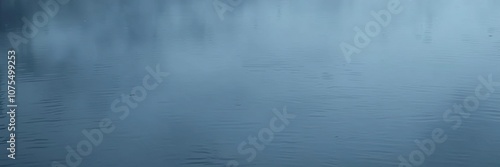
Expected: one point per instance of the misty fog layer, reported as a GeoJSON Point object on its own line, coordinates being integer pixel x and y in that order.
{"type": "Point", "coordinates": [227, 75]}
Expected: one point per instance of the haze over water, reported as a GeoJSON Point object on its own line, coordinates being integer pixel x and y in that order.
{"type": "Point", "coordinates": [227, 76]}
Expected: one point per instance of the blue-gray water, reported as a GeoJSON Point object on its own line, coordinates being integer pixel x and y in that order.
{"type": "Point", "coordinates": [227, 76]}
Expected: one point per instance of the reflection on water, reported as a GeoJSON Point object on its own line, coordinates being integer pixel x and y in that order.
{"type": "Point", "coordinates": [227, 76]}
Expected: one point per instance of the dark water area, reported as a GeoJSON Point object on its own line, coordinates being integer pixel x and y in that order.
{"type": "Point", "coordinates": [399, 101]}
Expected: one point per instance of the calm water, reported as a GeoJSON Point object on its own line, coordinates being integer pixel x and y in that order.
{"type": "Point", "coordinates": [227, 76]}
